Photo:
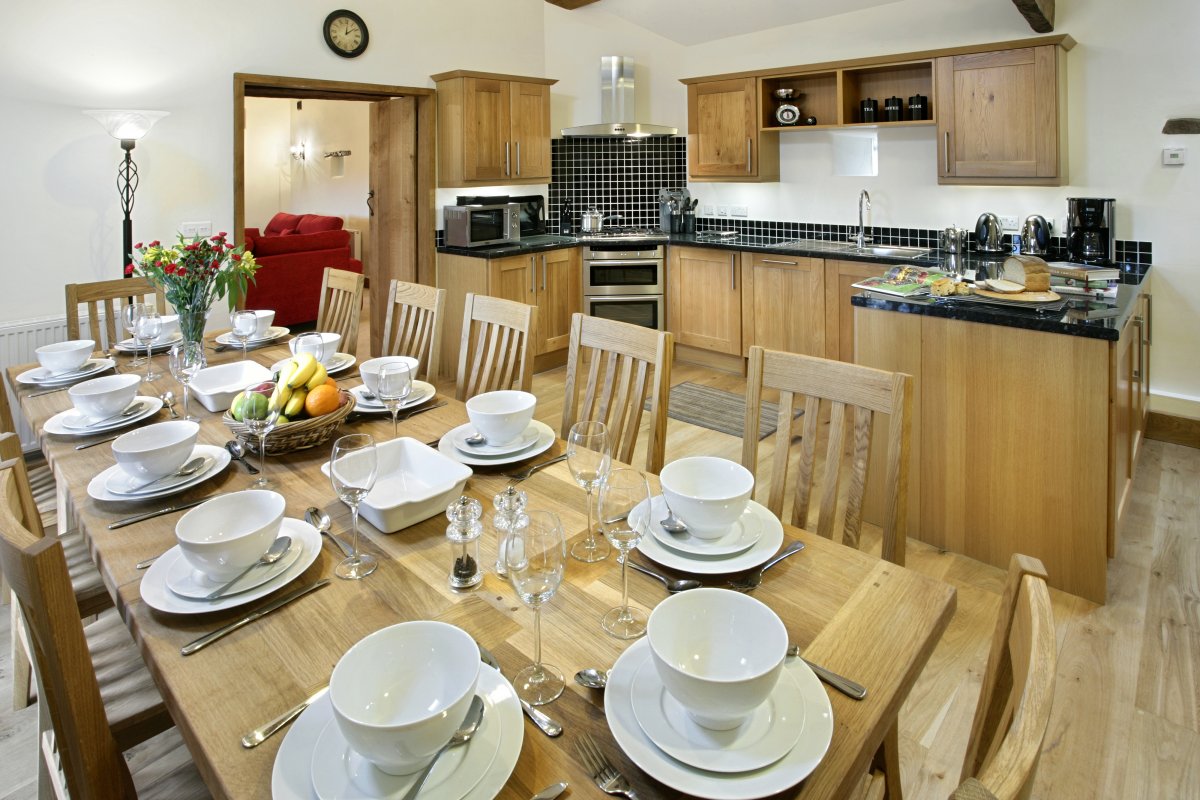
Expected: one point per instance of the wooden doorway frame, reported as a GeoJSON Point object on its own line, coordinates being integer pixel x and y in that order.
{"type": "Point", "coordinates": [250, 85]}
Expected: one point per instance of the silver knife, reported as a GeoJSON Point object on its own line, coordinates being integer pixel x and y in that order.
{"type": "Point", "coordinates": [209, 638]}
{"type": "Point", "coordinates": [547, 725]}
{"type": "Point", "coordinates": [86, 445]}
{"type": "Point", "coordinates": [551, 792]}
{"type": "Point", "coordinates": [259, 735]}
{"type": "Point", "coordinates": [121, 523]}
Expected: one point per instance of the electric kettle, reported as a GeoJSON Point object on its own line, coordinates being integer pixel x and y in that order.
{"type": "Point", "coordinates": [987, 234]}
{"type": "Point", "coordinates": [1035, 236]}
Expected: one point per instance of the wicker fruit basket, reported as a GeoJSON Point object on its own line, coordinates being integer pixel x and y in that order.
{"type": "Point", "coordinates": [297, 435]}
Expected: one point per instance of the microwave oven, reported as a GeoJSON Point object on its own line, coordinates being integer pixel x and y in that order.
{"type": "Point", "coordinates": [481, 225]}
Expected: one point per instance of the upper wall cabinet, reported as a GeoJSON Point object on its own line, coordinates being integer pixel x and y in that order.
{"type": "Point", "coordinates": [492, 129]}
{"type": "Point", "coordinates": [725, 142]}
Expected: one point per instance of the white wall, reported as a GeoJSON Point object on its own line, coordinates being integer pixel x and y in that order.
{"type": "Point", "coordinates": [268, 174]}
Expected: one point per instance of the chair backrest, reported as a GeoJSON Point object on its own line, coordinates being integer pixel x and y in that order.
{"type": "Point", "coordinates": [414, 324]}
{"type": "Point", "coordinates": [36, 569]}
{"type": "Point", "coordinates": [621, 359]}
{"type": "Point", "coordinates": [104, 301]}
{"type": "Point", "coordinates": [843, 386]}
{"type": "Point", "coordinates": [10, 450]}
{"type": "Point", "coordinates": [1018, 688]}
{"type": "Point", "coordinates": [495, 352]}
{"type": "Point", "coordinates": [341, 306]}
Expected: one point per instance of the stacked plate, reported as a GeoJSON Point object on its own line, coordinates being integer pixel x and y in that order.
{"type": "Point", "coordinates": [40, 376]}
{"type": "Point", "coordinates": [274, 332]}
{"type": "Point", "coordinates": [421, 391]}
{"type": "Point", "coordinates": [536, 438]}
{"type": "Point", "coordinates": [116, 485]}
{"type": "Point", "coordinates": [132, 345]}
{"type": "Point", "coordinates": [750, 541]}
{"type": "Point", "coordinates": [338, 363]}
{"type": "Point", "coordinates": [73, 423]}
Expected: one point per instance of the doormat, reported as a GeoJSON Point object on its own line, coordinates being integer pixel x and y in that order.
{"type": "Point", "coordinates": [718, 410]}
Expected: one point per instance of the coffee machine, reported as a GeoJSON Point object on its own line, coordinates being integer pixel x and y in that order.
{"type": "Point", "coordinates": [1090, 230]}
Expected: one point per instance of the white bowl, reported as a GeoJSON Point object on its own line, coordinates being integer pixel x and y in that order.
{"type": "Point", "coordinates": [369, 369]}
{"type": "Point", "coordinates": [101, 398]}
{"type": "Point", "coordinates": [226, 534]}
{"type": "Point", "coordinates": [215, 387]}
{"type": "Point", "coordinates": [501, 416]}
{"type": "Point", "coordinates": [707, 493]}
{"type": "Point", "coordinates": [323, 346]}
{"type": "Point", "coordinates": [157, 450]}
{"type": "Point", "coordinates": [170, 327]}
{"type": "Point", "coordinates": [718, 652]}
{"type": "Point", "coordinates": [400, 694]}
{"type": "Point", "coordinates": [264, 321]}
{"type": "Point", "coordinates": [414, 482]}
{"type": "Point", "coordinates": [65, 356]}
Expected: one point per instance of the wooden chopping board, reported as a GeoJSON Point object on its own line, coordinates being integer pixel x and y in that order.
{"type": "Point", "coordinates": [1021, 297]}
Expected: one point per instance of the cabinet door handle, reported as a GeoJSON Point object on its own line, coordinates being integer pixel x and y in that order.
{"type": "Point", "coordinates": [518, 159]}
{"type": "Point", "coordinates": [946, 152]}
{"type": "Point", "coordinates": [774, 261]}
{"type": "Point", "coordinates": [1149, 318]}
{"type": "Point", "coordinates": [532, 273]}
{"type": "Point", "coordinates": [733, 270]}
{"type": "Point", "coordinates": [543, 273]}
{"type": "Point", "coordinates": [1137, 373]}
{"type": "Point", "coordinates": [749, 158]}
{"type": "Point", "coordinates": [507, 161]}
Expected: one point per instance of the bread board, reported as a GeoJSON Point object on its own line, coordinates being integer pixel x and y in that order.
{"type": "Point", "coordinates": [1033, 298]}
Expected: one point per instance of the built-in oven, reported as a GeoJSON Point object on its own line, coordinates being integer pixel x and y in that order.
{"type": "Point", "coordinates": [625, 281]}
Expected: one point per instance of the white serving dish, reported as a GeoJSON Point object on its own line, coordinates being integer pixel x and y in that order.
{"type": "Point", "coordinates": [215, 387]}
{"type": "Point", "coordinates": [224, 535]}
{"type": "Point", "coordinates": [707, 493]}
{"type": "Point", "coordinates": [68, 356]}
{"type": "Point", "coordinates": [414, 483]}
{"type": "Point", "coordinates": [157, 450]}
{"type": "Point", "coordinates": [101, 398]}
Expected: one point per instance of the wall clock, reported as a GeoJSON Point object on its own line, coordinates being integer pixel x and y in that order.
{"type": "Point", "coordinates": [345, 33]}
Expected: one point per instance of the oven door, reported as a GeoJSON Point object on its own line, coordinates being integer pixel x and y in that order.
{"type": "Point", "coordinates": [636, 309]}
{"type": "Point", "coordinates": [614, 277]}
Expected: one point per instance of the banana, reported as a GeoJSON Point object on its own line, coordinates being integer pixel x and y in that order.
{"type": "Point", "coordinates": [305, 366]}
{"type": "Point", "coordinates": [296, 404]}
{"type": "Point", "coordinates": [318, 377]}
{"type": "Point", "coordinates": [286, 371]}
{"type": "Point", "coordinates": [281, 394]}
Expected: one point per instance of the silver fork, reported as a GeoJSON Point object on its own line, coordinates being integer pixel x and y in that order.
{"type": "Point", "coordinates": [517, 477]}
{"type": "Point", "coordinates": [608, 779]}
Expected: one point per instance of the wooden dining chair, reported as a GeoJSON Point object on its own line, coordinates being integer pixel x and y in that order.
{"type": "Point", "coordinates": [95, 697]}
{"type": "Point", "coordinates": [625, 363]}
{"type": "Point", "coordinates": [1017, 692]}
{"type": "Point", "coordinates": [104, 301]}
{"type": "Point", "coordinates": [414, 325]}
{"type": "Point", "coordinates": [341, 306]}
{"type": "Point", "coordinates": [496, 346]}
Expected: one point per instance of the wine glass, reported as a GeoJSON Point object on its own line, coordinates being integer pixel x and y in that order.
{"type": "Point", "coordinates": [243, 324]}
{"type": "Point", "coordinates": [588, 456]}
{"type": "Point", "coordinates": [623, 491]}
{"type": "Point", "coordinates": [536, 558]}
{"type": "Point", "coordinates": [129, 317]}
{"type": "Point", "coordinates": [187, 358]}
{"type": "Point", "coordinates": [395, 383]}
{"type": "Point", "coordinates": [147, 329]}
{"type": "Point", "coordinates": [260, 406]}
{"type": "Point", "coordinates": [352, 470]}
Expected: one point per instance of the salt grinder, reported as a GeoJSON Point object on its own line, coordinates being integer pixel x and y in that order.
{"type": "Point", "coordinates": [509, 516]}
{"type": "Point", "coordinates": [463, 532]}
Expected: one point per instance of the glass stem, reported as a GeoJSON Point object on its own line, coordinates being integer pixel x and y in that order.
{"type": "Point", "coordinates": [245, 348]}
{"type": "Point", "coordinates": [624, 584]}
{"type": "Point", "coordinates": [354, 526]}
{"type": "Point", "coordinates": [395, 421]}
{"type": "Point", "coordinates": [185, 400]}
{"type": "Point", "coordinates": [591, 537]}
{"type": "Point", "coordinates": [537, 641]}
{"type": "Point", "coordinates": [262, 454]}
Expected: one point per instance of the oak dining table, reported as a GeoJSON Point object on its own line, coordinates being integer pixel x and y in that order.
{"type": "Point", "coordinates": [868, 619]}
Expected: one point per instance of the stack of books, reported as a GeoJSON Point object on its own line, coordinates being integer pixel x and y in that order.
{"type": "Point", "coordinates": [1083, 279]}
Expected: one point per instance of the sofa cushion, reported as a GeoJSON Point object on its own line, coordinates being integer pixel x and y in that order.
{"type": "Point", "coordinates": [317, 223]}
{"type": "Point", "coordinates": [281, 222]}
{"type": "Point", "coordinates": [302, 242]}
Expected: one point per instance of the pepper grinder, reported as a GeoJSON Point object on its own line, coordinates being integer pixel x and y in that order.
{"type": "Point", "coordinates": [463, 533]}
{"type": "Point", "coordinates": [510, 515]}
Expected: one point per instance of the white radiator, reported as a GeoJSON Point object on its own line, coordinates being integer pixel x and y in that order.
{"type": "Point", "coordinates": [18, 340]}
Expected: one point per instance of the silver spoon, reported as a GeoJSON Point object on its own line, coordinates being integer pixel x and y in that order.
{"type": "Point", "coordinates": [673, 585]}
{"type": "Point", "coordinates": [187, 469]}
{"type": "Point", "coordinates": [592, 678]}
{"type": "Point", "coordinates": [461, 736]}
{"type": "Point", "coordinates": [476, 439]}
{"type": "Point", "coordinates": [320, 520]}
{"type": "Point", "coordinates": [168, 398]}
{"type": "Point", "coordinates": [239, 454]}
{"type": "Point", "coordinates": [672, 523]}
{"type": "Point", "coordinates": [273, 554]}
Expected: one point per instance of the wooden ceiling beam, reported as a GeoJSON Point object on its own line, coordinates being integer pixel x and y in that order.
{"type": "Point", "coordinates": [571, 5]}
{"type": "Point", "coordinates": [1038, 13]}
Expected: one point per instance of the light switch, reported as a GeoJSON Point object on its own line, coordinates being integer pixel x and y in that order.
{"type": "Point", "coordinates": [1174, 156]}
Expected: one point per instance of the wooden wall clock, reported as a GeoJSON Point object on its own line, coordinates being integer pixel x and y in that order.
{"type": "Point", "coordinates": [345, 33]}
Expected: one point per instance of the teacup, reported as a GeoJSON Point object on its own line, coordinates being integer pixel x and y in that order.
{"type": "Point", "coordinates": [707, 493]}
{"type": "Point", "coordinates": [501, 416]}
{"type": "Point", "coordinates": [157, 450]}
{"type": "Point", "coordinates": [101, 398]}
{"type": "Point", "coordinates": [222, 536]}
{"type": "Point", "coordinates": [323, 346]}
{"type": "Point", "coordinates": [61, 357]}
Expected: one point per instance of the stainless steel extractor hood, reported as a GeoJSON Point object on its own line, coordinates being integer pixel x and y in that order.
{"type": "Point", "coordinates": [618, 95]}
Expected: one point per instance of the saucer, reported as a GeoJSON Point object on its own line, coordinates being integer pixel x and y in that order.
{"type": "Point", "coordinates": [292, 773]}
{"type": "Point", "coordinates": [767, 545]}
{"type": "Point", "coordinates": [132, 347]}
{"type": "Point", "coordinates": [741, 536]}
{"type": "Point", "coordinates": [764, 738]}
{"type": "Point", "coordinates": [156, 594]}
{"type": "Point", "coordinates": [186, 581]}
{"type": "Point", "coordinates": [421, 391]}
{"type": "Point", "coordinates": [339, 363]}
{"type": "Point", "coordinates": [57, 424]}
{"type": "Point", "coordinates": [123, 484]}
{"type": "Point", "coordinates": [220, 458]}
{"type": "Point", "coordinates": [76, 422]}
{"type": "Point", "coordinates": [544, 440]}
{"type": "Point", "coordinates": [40, 376]}
{"type": "Point", "coordinates": [273, 333]}
{"type": "Point", "coordinates": [460, 434]}
{"type": "Point", "coordinates": [800, 761]}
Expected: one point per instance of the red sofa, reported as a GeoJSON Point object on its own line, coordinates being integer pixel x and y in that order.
{"type": "Point", "coordinates": [293, 252]}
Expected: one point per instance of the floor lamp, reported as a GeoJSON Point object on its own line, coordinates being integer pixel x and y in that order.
{"type": "Point", "coordinates": [128, 127]}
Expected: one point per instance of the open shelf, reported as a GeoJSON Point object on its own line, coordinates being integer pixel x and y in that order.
{"type": "Point", "coordinates": [881, 82]}
{"type": "Point", "coordinates": [816, 96]}
{"type": "Point", "coordinates": [833, 96]}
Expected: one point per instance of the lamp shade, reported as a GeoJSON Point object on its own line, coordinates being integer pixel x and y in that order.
{"type": "Point", "coordinates": [125, 124]}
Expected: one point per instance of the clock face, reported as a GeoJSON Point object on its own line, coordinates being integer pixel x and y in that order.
{"type": "Point", "coordinates": [346, 33]}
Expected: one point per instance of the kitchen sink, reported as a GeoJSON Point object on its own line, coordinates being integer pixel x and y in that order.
{"type": "Point", "coordinates": [889, 252]}
{"type": "Point", "coordinates": [812, 244]}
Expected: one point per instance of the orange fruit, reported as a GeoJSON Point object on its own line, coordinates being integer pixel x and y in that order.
{"type": "Point", "coordinates": [330, 381]}
{"type": "Point", "coordinates": [321, 400]}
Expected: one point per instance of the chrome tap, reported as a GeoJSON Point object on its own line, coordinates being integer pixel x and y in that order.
{"type": "Point", "coordinates": [864, 200]}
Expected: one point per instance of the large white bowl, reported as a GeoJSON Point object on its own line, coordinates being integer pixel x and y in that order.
{"type": "Point", "coordinates": [707, 493]}
{"type": "Point", "coordinates": [101, 398]}
{"type": "Point", "coordinates": [369, 369]}
{"type": "Point", "coordinates": [329, 343]}
{"type": "Point", "coordinates": [264, 321]}
{"type": "Point", "coordinates": [223, 536]}
{"type": "Point", "coordinates": [501, 416]}
{"type": "Point", "coordinates": [718, 652]}
{"type": "Point", "coordinates": [400, 694]}
{"type": "Point", "coordinates": [65, 356]}
{"type": "Point", "coordinates": [157, 450]}
{"type": "Point", "coordinates": [415, 482]}
{"type": "Point", "coordinates": [215, 387]}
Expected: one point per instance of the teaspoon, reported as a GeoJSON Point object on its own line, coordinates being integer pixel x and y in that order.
{"type": "Point", "coordinates": [187, 469]}
{"type": "Point", "coordinates": [168, 398]}
{"type": "Point", "coordinates": [320, 520]}
{"type": "Point", "coordinates": [672, 523]}
{"type": "Point", "coordinates": [476, 439]}
{"type": "Point", "coordinates": [273, 554]}
{"type": "Point", "coordinates": [239, 454]}
{"type": "Point", "coordinates": [592, 678]}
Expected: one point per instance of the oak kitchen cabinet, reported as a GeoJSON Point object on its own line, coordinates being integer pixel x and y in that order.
{"type": "Point", "coordinates": [783, 303]}
{"type": "Point", "coordinates": [840, 277]}
{"type": "Point", "coordinates": [704, 299]}
{"type": "Point", "coordinates": [492, 129]}
{"type": "Point", "coordinates": [724, 140]}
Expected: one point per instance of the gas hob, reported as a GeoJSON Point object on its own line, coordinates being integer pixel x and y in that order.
{"type": "Point", "coordinates": [623, 234]}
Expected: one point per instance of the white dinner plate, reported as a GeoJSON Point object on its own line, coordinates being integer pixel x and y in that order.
{"type": "Point", "coordinates": [132, 347]}
{"type": "Point", "coordinates": [800, 761]}
{"type": "Point", "coordinates": [545, 439]}
{"type": "Point", "coordinates": [273, 333]}
{"type": "Point", "coordinates": [58, 424]}
{"type": "Point", "coordinates": [220, 460]}
{"type": "Point", "coordinates": [291, 775]}
{"type": "Point", "coordinates": [193, 584]}
{"type": "Point", "coordinates": [764, 738]}
{"type": "Point", "coordinates": [339, 363]}
{"type": "Point", "coordinates": [526, 440]}
{"type": "Point", "coordinates": [156, 594]}
{"type": "Point", "coordinates": [766, 546]}
{"type": "Point", "coordinates": [421, 391]}
{"type": "Point", "coordinates": [40, 376]}
{"type": "Point", "coordinates": [745, 532]}
{"type": "Point", "coordinates": [122, 484]}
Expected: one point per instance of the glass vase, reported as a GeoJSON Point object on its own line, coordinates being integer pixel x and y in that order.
{"type": "Point", "coordinates": [191, 324]}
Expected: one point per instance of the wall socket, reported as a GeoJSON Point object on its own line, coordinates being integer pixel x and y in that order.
{"type": "Point", "coordinates": [739, 211]}
{"type": "Point", "coordinates": [706, 210]}
{"type": "Point", "coordinates": [722, 211]}
{"type": "Point", "coordinates": [195, 230]}
{"type": "Point", "coordinates": [1008, 223]}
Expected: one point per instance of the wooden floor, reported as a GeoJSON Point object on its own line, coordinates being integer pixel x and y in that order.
{"type": "Point", "coordinates": [1126, 719]}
